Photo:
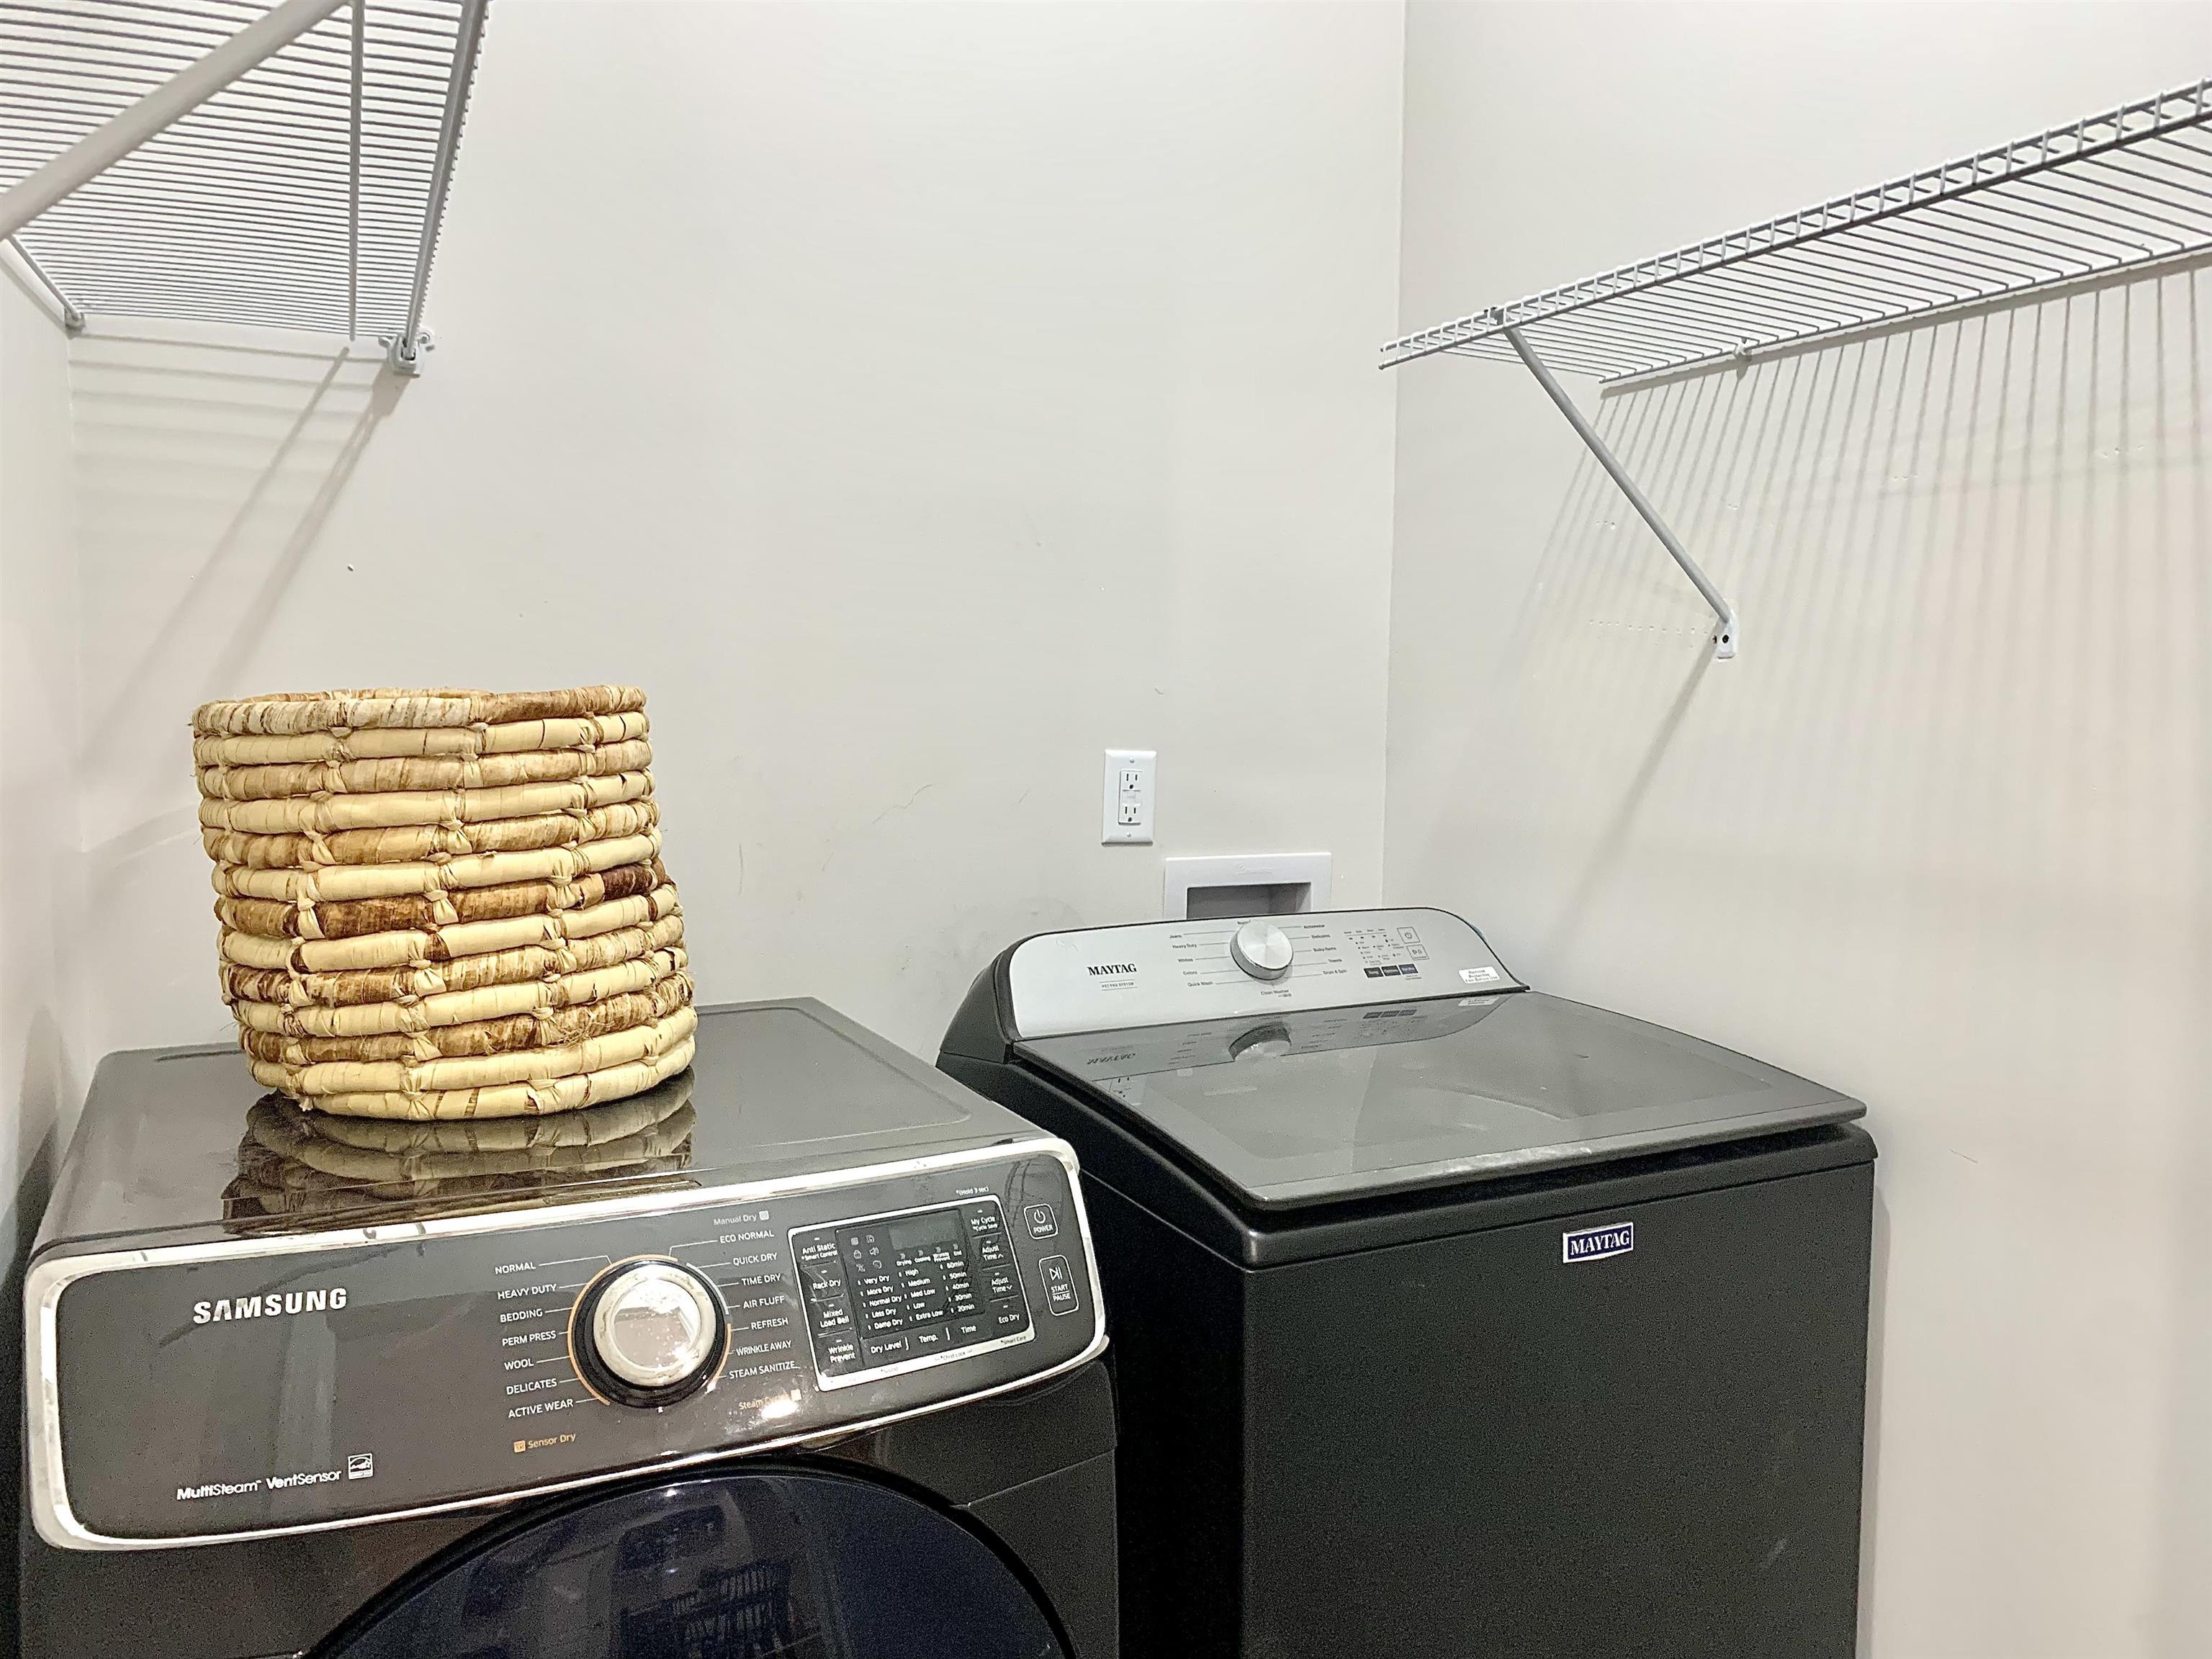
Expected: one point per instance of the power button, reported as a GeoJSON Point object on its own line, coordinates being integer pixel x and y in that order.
{"type": "Point", "coordinates": [1043, 1222]}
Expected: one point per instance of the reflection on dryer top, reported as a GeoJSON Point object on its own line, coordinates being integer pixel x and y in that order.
{"type": "Point", "coordinates": [295, 1166]}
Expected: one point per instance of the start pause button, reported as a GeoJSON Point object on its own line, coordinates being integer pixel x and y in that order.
{"type": "Point", "coordinates": [1059, 1284]}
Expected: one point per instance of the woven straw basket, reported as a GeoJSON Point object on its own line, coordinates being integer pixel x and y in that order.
{"type": "Point", "coordinates": [444, 904]}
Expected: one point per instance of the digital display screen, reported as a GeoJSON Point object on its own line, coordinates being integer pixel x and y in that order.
{"type": "Point", "coordinates": [920, 1232]}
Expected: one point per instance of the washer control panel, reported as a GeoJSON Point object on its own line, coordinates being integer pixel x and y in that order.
{"type": "Point", "coordinates": [1162, 973]}
{"type": "Point", "coordinates": [224, 1390]}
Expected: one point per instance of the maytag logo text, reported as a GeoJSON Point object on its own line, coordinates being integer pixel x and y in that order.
{"type": "Point", "coordinates": [1595, 1243]}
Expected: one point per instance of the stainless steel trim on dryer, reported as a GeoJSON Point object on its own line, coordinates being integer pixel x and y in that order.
{"type": "Point", "coordinates": [47, 1494]}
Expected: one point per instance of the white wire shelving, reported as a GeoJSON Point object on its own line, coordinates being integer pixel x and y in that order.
{"type": "Point", "coordinates": [224, 160]}
{"type": "Point", "coordinates": [2120, 193]}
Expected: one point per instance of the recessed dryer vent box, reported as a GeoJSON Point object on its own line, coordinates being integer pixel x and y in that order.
{"type": "Point", "coordinates": [1245, 884]}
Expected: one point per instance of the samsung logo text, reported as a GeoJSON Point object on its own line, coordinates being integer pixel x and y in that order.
{"type": "Point", "coordinates": [275, 1305]}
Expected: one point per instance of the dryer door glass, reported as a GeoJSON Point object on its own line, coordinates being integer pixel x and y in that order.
{"type": "Point", "coordinates": [778, 1564]}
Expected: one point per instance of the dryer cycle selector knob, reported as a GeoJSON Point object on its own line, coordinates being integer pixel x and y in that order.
{"type": "Point", "coordinates": [648, 1332]}
{"type": "Point", "coordinates": [1261, 950]}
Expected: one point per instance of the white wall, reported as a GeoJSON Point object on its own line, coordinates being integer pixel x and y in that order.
{"type": "Point", "coordinates": [42, 1056]}
{"type": "Point", "coordinates": [916, 401]}
{"type": "Point", "coordinates": [1942, 835]}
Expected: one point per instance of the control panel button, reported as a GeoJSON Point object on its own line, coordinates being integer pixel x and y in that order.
{"type": "Point", "coordinates": [1261, 950]}
{"type": "Point", "coordinates": [1008, 1316]}
{"type": "Point", "coordinates": [998, 1283]}
{"type": "Point", "coordinates": [881, 1350]}
{"type": "Point", "coordinates": [1059, 1284]}
{"type": "Point", "coordinates": [647, 1333]}
{"type": "Point", "coordinates": [992, 1252]}
{"type": "Point", "coordinates": [883, 1309]}
{"type": "Point", "coordinates": [1043, 1222]}
{"type": "Point", "coordinates": [965, 1331]}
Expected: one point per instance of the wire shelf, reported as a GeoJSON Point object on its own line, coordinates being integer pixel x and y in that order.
{"type": "Point", "coordinates": [306, 194]}
{"type": "Point", "coordinates": [2128, 188]}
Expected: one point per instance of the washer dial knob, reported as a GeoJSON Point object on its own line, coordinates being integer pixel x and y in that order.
{"type": "Point", "coordinates": [1261, 1042]}
{"type": "Point", "coordinates": [648, 1332]}
{"type": "Point", "coordinates": [1261, 950]}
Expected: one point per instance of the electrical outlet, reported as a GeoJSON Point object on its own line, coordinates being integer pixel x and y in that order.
{"type": "Point", "coordinates": [1128, 781]}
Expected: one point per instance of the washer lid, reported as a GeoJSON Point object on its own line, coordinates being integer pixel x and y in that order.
{"type": "Point", "coordinates": [1330, 1104]}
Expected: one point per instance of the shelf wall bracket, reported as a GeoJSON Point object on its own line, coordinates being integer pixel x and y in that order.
{"type": "Point", "coordinates": [71, 319]}
{"type": "Point", "coordinates": [1724, 624]}
{"type": "Point", "coordinates": [183, 93]}
{"type": "Point", "coordinates": [406, 350]}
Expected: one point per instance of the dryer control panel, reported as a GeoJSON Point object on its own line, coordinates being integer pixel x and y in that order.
{"type": "Point", "coordinates": [918, 1288]}
{"type": "Point", "coordinates": [214, 1391]}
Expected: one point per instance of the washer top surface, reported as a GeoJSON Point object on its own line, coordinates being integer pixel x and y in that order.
{"type": "Point", "coordinates": [1322, 1105]}
{"type": "Point", "coordinates": [182, 1141]}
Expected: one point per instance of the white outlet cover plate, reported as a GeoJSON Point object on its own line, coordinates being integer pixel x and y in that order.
{"type": "Point", "coordinates": [1144, 763]}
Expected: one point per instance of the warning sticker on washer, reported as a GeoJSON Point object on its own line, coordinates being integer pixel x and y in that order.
{"type": "Point", "coordinates": [1478, 975]}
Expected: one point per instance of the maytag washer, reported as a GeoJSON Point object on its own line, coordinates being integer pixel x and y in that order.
{"type": "Point", "coordinates": [1456, 1320]}
{"type": "Point", "coordinates": [782, 1357]}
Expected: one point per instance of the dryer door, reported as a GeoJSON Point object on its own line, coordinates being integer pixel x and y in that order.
{"type": "Point", "coordinates": [762, 1564]}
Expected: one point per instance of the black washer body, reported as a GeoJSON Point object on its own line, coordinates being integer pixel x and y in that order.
{"type": "Point", "coordinates": [1408, 1423]}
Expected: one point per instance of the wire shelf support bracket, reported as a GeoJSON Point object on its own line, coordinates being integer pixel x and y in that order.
{"type": "Point", "coordinates": [2116, 195]}
{"type": "Point", "coordinates": [234, 162]}
{"type": "Point", "coordinates": [411, 343]}
{"type": "Point", "coordinates": [1724, 625]}
{"type": "Point", "coordinates": [72, 320]}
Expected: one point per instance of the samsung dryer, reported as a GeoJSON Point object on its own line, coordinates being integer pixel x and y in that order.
{"type": "Point", "coordinates": [1456, 1320]}
{"type": "Point", "coordinates": [769, 1361]}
